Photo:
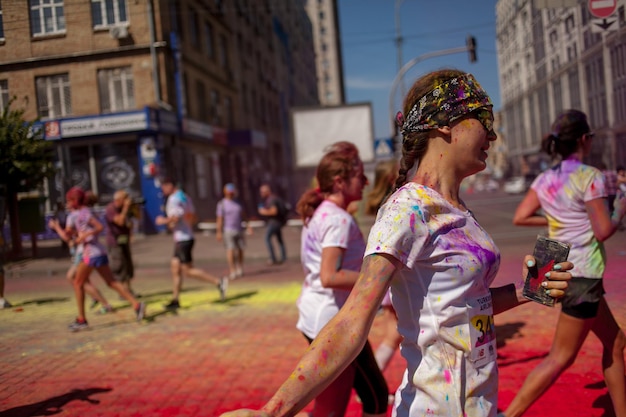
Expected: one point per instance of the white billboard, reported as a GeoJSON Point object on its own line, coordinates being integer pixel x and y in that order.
{"type": "Point", "coordinates": [314, 128]}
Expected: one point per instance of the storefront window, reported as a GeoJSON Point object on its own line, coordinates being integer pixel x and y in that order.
{"type": "Point", "coordinates": [116, 169]}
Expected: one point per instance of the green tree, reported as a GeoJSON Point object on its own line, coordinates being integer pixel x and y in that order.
{"type": "Point", "coordinates": [25, 161]}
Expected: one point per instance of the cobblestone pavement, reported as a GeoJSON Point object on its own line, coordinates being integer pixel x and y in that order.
{"type": "Point", "coordinates": [212, 356]}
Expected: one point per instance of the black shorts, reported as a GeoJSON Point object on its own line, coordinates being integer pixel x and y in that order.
{"type": "Point", "coordinates": [582, 297]}
{"type": "Point", "coordinates": [121, 263]}
{"type": "Point", "coordinates": [182, 251]}
{"type": "Point", "coordinates": [369, 382]}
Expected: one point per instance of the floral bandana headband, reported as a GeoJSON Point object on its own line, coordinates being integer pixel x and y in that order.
{"type": "Point", "coordinates": [456, 97]}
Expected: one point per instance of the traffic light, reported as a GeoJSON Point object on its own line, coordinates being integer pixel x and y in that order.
{"type": "Point", "coordinates": [471, 48]}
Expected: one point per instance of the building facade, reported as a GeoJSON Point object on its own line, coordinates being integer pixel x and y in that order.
{"type": "Point", "coordinates": [130, 91]}
{"type": "Point", "coordinates": [324, 16]}
{"type": "Point", "coordinates": [552, 56]}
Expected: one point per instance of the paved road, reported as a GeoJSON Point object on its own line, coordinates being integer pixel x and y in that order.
{"type": "Point", "coordinates": [214, 356]}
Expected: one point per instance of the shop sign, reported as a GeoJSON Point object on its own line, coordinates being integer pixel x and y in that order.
{"type": "Point", "coordinates": [102, 125]}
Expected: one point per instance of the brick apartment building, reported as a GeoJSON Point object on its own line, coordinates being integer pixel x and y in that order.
{"type": "Point", "coordinates": [129, 90]}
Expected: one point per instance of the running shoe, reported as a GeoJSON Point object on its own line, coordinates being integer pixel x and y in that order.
{"type": "Point", "coordinates": [5, 304]}
{"type": "Point", "coordinates": [141, 311]}
{"type": "Point", "coordinates": [173, 305]}
{"type": "Point", "coordinates": [222, 287]}
{"type": "Point", "coordinates": [106, 310]}
{"type": "Point", "coordinates": [78, 325]}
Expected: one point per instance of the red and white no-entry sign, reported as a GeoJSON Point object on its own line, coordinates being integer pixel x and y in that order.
{"type": "Point", "coordinates": [602, 8]}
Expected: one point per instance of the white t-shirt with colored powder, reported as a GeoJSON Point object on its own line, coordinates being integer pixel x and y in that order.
{"type": "Point", "coordinates": [78, 220]}
{"type": "Point", "coordinates": [330, 226]}
{"type": "Point", "coordinates": [180, 205]}
{"type": "Point", "coordinates": [563, 191]}
{"type": "Point", "coordinates": [443, 303]}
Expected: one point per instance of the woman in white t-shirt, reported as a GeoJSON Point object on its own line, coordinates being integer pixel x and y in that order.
{"type": "Point", "coordinates": [332, 252]}
{"type": "Point", "coordinates": [439, 262]}
{"type": "Point", "coordinates": [575, 205]}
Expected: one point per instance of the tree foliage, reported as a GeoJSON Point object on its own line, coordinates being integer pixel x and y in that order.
{"type": "Point", "coordinates": [25, 157]}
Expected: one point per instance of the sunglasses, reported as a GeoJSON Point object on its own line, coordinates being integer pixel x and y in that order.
{"type": "Point", "coordinates": [485, 117]}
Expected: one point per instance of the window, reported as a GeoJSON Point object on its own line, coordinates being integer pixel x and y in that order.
{"type": "Point", "coordinates": [224, 52]}
{"type": "Point", "coordinates": [554, 38]}
{"type": "Point", "coordinates": [214, 112]}
{"type": "Point", "coordinates": [53, 96]}
{"type": "Point", "coordinates": [116, 89]}
{"type": "Point", "coordinates": [594, 76]}
{"type": "Point", "coordinates": [572, 54]}
{"type": "Point", "coordinates": [202, 108]}
{"type": "Point", "coordinates": [176, 19]}
{"type": "Point", "coordinates": [1, 24]}
{"type": "Point", "coordinates": [46, 17]}
{"type": "Point", "coordinates": [244, 97]}
{"type": "Point", "coordinates": [193, 28]}
{"type": "Point", "coordinates": [108, 12]}
{"type": "Point", "coordinates": [574, 87]}
{"type": "Point", "coordinates": [228, 112]}
{"type": "Point", "coordinates": [208, 40]}
{"type": "Point", "coordinates": [558, 95]}
{"type": "Point", "coordinates": [4, 93]}
{"type": "Point", "coordinates": [569, 24]}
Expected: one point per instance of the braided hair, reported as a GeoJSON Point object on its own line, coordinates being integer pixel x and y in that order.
{"type": "Point", "coordinates": [415, 144]}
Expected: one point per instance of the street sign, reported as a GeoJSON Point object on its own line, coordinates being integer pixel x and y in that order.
{"type": "Point", "coordinates": [383, 148]}
{"type": "Point", "coordinates": [604, 25]}
{"type": "Point", "coordinates": [602, 8]}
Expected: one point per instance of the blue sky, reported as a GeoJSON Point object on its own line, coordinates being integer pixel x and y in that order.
{"type": "Point", "coordinates": [368, 32]}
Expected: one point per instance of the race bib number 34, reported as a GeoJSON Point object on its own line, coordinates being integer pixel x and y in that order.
{"type": "Point", "coordinates": [482, 331]}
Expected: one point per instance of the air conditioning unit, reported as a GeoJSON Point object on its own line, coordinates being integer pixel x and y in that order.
{"type": "Point", "coordinates": [118, 32]}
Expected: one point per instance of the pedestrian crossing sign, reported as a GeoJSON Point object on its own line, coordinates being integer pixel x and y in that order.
{"type": "Point", "coordinates": [383, 148]}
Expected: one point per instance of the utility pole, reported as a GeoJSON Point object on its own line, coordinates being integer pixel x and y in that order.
{"type": "Point", "coordinates": [399, 40]}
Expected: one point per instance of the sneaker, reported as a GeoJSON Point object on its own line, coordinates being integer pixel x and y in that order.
{"type": "Point", "coordinates": [94, 304]}
{"type": "Point", "coordinates": [77, 325]}
{"type": "Point", "coordinates": [106, 310]}
{"type": "Point", "coordinates": [239, 272]}
{"type": "Point", "coordinates": [172, 305]}
{"type": "Point", "coordinates": [141, 311]}
{"type": "Point", "coordinates": [222, 287]}
{"type": "Point", "coordinates": [5, 304]}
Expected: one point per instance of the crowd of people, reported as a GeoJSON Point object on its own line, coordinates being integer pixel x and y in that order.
{"type": "Point", "coordinates": [427, 263]}
{"type": "Point", "coordinates": [79, 228]}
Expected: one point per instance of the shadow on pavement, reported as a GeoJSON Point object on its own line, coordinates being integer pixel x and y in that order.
{"type": "Point", "coordinates": [504, 363]}
{"type": "Point", "coordinates": [54, 405]}
{"type": "Point", "coordinates": [603, 402]}
{"type": "Point", "coordinates": [41, 301]}
{"type": "Point", "coordinates": [507, 331]}
{"type": "Point", "coordinates": [235, 297]}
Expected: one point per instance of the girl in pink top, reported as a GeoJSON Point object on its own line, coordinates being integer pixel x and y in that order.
{"type": "Point", "coordinates": [85, 228]}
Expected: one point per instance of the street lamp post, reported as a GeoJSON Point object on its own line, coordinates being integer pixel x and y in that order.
{"type": "Point", "coordinates": [398, 36]}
